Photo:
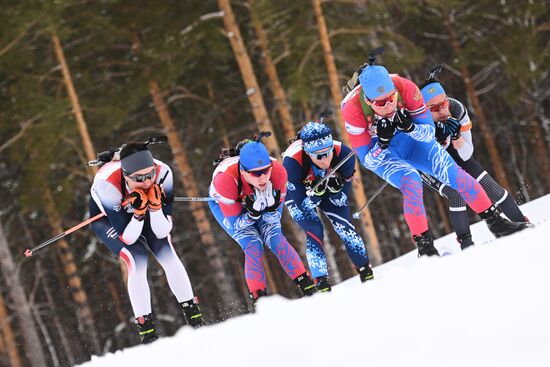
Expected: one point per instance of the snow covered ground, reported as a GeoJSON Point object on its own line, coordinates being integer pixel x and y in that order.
{"type": "Point", "coordinates": [486, 306]}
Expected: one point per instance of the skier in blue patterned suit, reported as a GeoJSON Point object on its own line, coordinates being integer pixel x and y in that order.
{"type": "Point", "coordinates": [307, 160]}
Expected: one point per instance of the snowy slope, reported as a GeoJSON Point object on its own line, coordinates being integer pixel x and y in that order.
{"type": "Point", "coordinates": [487, 306]}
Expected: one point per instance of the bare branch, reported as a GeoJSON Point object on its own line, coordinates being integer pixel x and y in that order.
{"type": "Point", "coordinates": [202, 18]}
{"type": "Point", "coordinates": [187, 94]}
{"type": "Point", "coordinates": [486, 89]}
{"type": "Point", "coordinates": [480, 76]}
{"type": "Point", "coordinates": [17, 38]}
{"type": "Point", "coordinates": [452, 70]}
{"type": "Point", "coordinates": [436, 36]}
{"type": "Point", "coordinates": [24, 126]}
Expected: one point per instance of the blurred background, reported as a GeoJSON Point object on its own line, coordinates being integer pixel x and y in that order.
{"type": "Point", "coordinates": [80, 77]}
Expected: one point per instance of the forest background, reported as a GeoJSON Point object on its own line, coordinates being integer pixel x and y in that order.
{"type": "Point", "coordinates": [80, 77]}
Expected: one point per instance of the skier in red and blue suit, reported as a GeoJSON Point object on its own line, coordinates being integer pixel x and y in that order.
{"type": "Point", "coordinates": [394, 136]}
{"type": "Point", "coordinates": [307, 161]}
{"type": "Point", "coordinates": [248, 190]}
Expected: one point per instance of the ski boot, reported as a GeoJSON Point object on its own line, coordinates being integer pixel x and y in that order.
{"type": "Point", "coordinates": [498, 225]}
{"type": "Point", "coordinates": [425, 244]}
{"type": "Point", "coordinates": [306, 285]}
{"type": "Point", "coordinates": [322, 283]}
{"type": "Point", "coordinates": [146, 328]}
{"type": "Point", "coordinates": [192, 313]}
{"type": "Point", "coordinates": [465, 240]}
{"type": "Point", "coordinates": [365, 273]}
{"type": "Point", "coordinates": [254, 295]}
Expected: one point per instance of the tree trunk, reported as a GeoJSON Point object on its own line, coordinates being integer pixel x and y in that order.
{"type": "Point", "coordinates": [83, 311]}
{"type": "Point", "coordinates": [77, 110]}
{"type": "Point", "coordinates": [57, 322]}
{"type": "Point", "coordinates": [271, 71]}
{"type": "Point", "coordinates": [253, 90]}
{"type": "Point", "coordinates": [8, 337]}
{"type": "Point", "coordinates": [358, 188]}
{"type": "Point", "coordinates": [481, 120]}
{"type": "Point", "coordinates": [215, 255]}
{"type": "Point", "coordinates": [22, 308]}
{"type": "Point", "coordinates": [282, 108]}
{"type": "Point", "coordinates": [537, 142]}
{"type": "Point", "coordinates": [49, 297]}
{"type": "Point", "coordinates": [46, 335]}
{"type": "Point", "coordinates": [81, 123]}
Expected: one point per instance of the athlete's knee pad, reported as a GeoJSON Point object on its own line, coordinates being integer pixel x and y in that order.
{"type": "Point", "coordinates": [455, 199]}
{"type": "Point", "coordinates": [496, 193]}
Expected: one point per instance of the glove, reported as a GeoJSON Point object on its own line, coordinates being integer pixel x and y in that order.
{"type": "Point", "coordinates": [452, 127]}
{"type": "Point", "coordinates": [139, 200]}
{"type": "Point", "coordinates": [403, 121]}
{"type": "Point", "coordinates": [440, 133]}
{"type": "Point", "coordinates": [335, 183]}
{"type": "Point", "coordinates": [385, 129]}
{"type": "Point", "coordinates": [319, 191]}
{"type": "Point", "coordinates": [156, 197]}
{"type": "Point", "coordinates": [273, 198]}
{"type": "Point", "coordinates": [275, 206]}
{"type": "Point", "coordinates": [255, 204]}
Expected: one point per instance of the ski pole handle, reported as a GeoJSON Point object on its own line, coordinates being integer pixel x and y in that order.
{"type": "Point", "coordinates": [29, 252]}
{"type": "Point", "coordinates": [190, 198]}
{"type": "Point", "coordinates": [332, 172]}
{"type": "Point", "coordinates": [357, 214]}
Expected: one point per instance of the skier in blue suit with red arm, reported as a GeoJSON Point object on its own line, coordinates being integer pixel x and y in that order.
{"type": "Point", "coordinates": [393, 134]}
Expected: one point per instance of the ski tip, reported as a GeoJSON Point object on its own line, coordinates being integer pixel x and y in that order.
{"type": "Point", "coordinates": [28, 253]}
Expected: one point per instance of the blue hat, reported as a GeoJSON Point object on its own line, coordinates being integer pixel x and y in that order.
{"type": "Point", "coordinates": [316, 136]}
{"type": "Point", "coordinates": [375, 81]}
{"type": "Point", "coordinates": [254, 155]}
{"type": "Point", "coordinates": [431, 90]}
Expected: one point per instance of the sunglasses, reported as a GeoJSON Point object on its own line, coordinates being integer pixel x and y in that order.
{"type": "Point", "coordinates": [321, 155]}
{"type": "Point", "coordinates": [143, 177]}
{"type": "Point", "coordinates": [438, 107]}
{"type": "Point", "coordinates": [381, 103]}
{"type": "Point", "coordinates": [260, 172]}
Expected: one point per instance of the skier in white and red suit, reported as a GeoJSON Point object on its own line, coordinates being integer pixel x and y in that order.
{"type": "Point", "coordinates": [136, 195]}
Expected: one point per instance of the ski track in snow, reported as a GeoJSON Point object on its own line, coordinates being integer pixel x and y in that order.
{"type": "Point", "coordinates": [486, 306]}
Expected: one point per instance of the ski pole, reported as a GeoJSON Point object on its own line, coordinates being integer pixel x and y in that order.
{"type": "Point", "coordinates": [358, 213]}
{"type": "Point", "coordinates": [191, 198]}
{"type": "Point", "coordinates": [28, 252]}
{"type": "Point", "coordinates": [332, 172]}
